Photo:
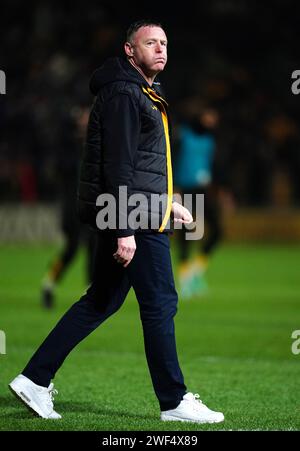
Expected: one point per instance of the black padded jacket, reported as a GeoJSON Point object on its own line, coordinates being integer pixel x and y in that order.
{"type": "Point", "coordinates": [127, 145]}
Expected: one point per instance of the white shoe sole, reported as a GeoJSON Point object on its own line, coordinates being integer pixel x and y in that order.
{"type": "Point", "coordinates": [33, 407]}
{"type": "Point", "coordinates": [185, 420]}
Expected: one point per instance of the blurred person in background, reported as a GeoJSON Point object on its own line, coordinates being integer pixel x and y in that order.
{"type": "Point", "coordinates": [196, 172]}
{"type": "Point", "coordinates": [127, 145]}
{"type": "Point", "coordinates": [71, 136]}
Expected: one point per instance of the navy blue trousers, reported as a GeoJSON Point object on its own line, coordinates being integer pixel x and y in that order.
{"type": "Point", "coordinates": [150, 274]}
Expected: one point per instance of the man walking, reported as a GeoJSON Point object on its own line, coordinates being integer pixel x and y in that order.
{"type": "Point", "coordinates": [127, 146]}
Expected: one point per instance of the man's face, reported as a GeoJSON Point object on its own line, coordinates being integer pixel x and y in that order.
{"type": "Point", "coordinates": [149, 49]}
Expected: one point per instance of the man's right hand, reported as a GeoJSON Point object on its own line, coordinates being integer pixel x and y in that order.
{"type": "Point", "coordinates": [126, 250]}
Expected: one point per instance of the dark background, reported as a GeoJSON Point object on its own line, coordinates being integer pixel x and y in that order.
{"type": "Point", "coordinates": [236, 55]}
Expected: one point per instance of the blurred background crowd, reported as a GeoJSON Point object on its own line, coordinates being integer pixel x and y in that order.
{"type": "Point", "coordinates": [235, 57]}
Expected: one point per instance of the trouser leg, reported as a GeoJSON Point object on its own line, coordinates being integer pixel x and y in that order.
{"type": "Point", "coordinates": [105, 296]}
{"type": "Point", "coordinates": [150, 274]}
{"type": "Point", "coordinates": [184, 245]}
{"type": "Point", "coordinates": [71, 229]}
{"type": "Point", "coordinates": [212, 218]}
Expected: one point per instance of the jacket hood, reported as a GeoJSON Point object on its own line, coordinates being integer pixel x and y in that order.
{"type": "Point", "coordinates": [116, 69]}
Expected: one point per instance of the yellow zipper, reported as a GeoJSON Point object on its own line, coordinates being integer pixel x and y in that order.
{"type": "Point", "coordinates": [153, 96]}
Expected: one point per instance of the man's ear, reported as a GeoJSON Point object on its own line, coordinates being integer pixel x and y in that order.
{"type": "Point", "coordinates": [128, 49]}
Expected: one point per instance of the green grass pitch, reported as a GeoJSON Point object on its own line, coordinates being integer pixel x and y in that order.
{"type": "Point", "coordinates": [234, 346]}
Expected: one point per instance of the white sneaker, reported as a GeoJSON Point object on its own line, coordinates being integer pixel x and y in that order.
{"type": "Point", "coordinates": [38, 398]}
{"type": "Point", "coordinates": [192, 409]}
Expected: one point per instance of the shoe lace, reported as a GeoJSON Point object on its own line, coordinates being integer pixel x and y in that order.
{"type": "Point", "coordinates": [197, 403]}
{"type": "Point", "coordinates": [51, 392]}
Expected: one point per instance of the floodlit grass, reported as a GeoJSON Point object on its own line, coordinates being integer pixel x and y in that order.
{"type": "Point", "coordinates": [234, 346]}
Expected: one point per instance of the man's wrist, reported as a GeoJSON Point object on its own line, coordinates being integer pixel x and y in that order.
{"type": "Point", "coordinates": [176, 198]}
{"type": "Point", "coordinates": [124, 233]}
